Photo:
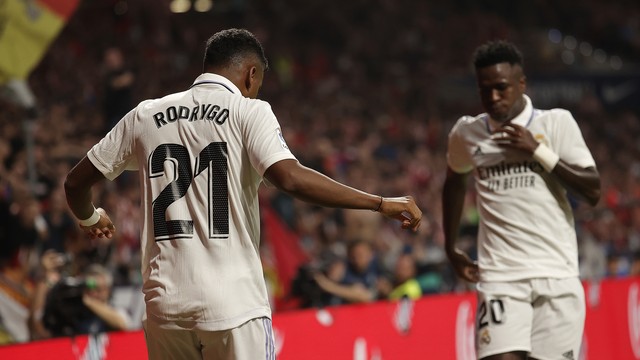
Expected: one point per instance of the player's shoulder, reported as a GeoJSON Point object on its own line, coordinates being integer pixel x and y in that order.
{"type": "Point", "coordinates": [254, 104]}
{"type": "Point", "coordinates": [250, 109]}
{"type": "Point", "coordinates": [557, 112]}
{"type": "Point", "coordinates": [554, 115]}
{"type": "Point", "coordinates": [467, 122]}
{"type": "Point", "coordinates": [150, 105]}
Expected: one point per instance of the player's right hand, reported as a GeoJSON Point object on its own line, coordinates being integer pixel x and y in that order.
{"type": "Point", "coordinates": [404, 209]}
{"type": "Point", "coordinates": [103, 229]}
{"type": "Point", "coordinates": [464, 266]}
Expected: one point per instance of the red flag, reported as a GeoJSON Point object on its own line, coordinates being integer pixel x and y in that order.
{"type": "Point", "coordinates": [285, 248]}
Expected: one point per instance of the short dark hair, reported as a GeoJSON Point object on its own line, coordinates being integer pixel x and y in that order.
{"type": "Point", "coordinates": [227, 46]}
{"type": "Point", "coordinates": [496, 52]}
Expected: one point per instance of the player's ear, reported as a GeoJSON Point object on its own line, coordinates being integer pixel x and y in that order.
{"type": "Point", "coordinates": [250, 78]}
{"type": "Point", "coordinates": [523, 83]}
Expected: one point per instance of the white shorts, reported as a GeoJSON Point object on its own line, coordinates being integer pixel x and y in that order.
{"type": "Point", "coordinates": [252, 340]}
{"type": "Point", "coordinates": [543, 317]}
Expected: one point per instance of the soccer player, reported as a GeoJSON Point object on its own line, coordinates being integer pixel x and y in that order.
{"type": "Point", "coordinates": [201, 155]}
{"type": "Point", "coordinates": [524, 160]}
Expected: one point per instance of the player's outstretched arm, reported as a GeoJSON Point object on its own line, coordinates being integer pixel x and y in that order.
{"type": "Point", "coordinates": [311, 186]}
{"type": "Point", "coordinates": [95, 222]}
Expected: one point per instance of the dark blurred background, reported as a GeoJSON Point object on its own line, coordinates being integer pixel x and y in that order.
{"type": "Point", "coordinates": [365, 91]}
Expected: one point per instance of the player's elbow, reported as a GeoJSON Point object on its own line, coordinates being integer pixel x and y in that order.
{"type": "Point", "coordinates": [285, 175]}
{"type": "Point", "coordinates": [288, 183]}
{"type": "Point", "coordinates": [71, 184]}
{"type": "Point", "coordinates": [75, 183]}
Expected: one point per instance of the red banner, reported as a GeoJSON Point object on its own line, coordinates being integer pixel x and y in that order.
{"type": "Point", "coordinates": [434, 327]}
{"type": "Point", "coordinates": [612, 330]}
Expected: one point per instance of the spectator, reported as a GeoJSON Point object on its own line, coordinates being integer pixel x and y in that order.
{"type": "Point", "coordinates": [398, 128]}
{"type": "Point", "coordinates": [51, 263]}
{"type": "Point", "coordinates": [16, 288]}
{"type": "Point", "coordinates": [118, 87]}
{"type": "Point", "coordinates": [59, 223]}
{"type": "Point", "coordinates": [405, 283]}
{"type": "Point", "coordinates": [81, 305]}
{"type": "Point", "coordinates": [361, 278]}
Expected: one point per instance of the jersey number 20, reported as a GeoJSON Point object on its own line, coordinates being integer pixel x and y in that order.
{"type": "Point", "coordinates": [495, 308]}
{"type": "Point", "coordinates": [213, 159]}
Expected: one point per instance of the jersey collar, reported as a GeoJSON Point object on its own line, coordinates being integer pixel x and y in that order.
{"type": "Point", "coordinates": [217, 80]}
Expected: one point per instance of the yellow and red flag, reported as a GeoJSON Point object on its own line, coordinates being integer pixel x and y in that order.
{"type": "Point", "coordinates": [27, 28]}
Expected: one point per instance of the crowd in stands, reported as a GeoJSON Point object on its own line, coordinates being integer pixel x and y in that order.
{"type": "Point", "coordinates": [356, 88]}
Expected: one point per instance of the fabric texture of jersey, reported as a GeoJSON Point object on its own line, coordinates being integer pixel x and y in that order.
{"type": "Point", "coordinates": [527, 227]}
{"type": "Point", "coordinates": [201, 155]}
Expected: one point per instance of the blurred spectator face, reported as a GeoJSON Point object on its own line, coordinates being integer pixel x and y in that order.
{"type": "Point", "coordinates": [336, 270]}
{"type": "Point", "coordinates": [98, 287]}
{"type": "Point", "coordinates": [405, 268]}
{"type": "Point", "coordinates": [501, 87]}
{"type": "Point", "coordinates": [113, 58]}
{"type": "Point", "coordinates": [360, 256]}
{"type": "Point", "coordinates": [27, 210]}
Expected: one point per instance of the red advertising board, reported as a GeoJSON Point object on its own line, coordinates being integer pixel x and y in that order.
{"type": "Point", "coordinates": [434, 327]}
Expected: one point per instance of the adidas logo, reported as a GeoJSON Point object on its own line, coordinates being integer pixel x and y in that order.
{"type": "Point", "coordinates": [568, 355]}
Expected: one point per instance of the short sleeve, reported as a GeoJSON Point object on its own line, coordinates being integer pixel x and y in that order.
{"type": "Point", "coordinates": [263, 138]}
{"type": "Point", "coordinates": [568, 141]}
{"type": "Point", "coordinates": [115, 152]}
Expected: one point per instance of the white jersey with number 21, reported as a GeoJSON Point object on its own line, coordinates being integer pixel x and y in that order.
{"type": "Point", "coordinates": [201, 155]}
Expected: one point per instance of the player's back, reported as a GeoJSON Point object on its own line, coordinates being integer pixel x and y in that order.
{"type": "Point", "coordinates": [200, 168]}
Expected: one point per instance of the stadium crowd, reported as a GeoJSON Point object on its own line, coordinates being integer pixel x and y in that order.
{"type": "Point", "coordinates": [358, 89]}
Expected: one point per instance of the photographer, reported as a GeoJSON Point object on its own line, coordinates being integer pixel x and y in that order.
{"type": "Point", "coordinates": [76, 306]}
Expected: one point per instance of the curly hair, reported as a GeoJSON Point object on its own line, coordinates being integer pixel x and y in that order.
{"type": "Point", "coordinates": [495, 52]}
{"type": "Point", "coordinates": [229, 46]}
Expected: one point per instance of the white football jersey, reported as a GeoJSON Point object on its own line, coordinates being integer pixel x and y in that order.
{"type": "Point", "coordinates": [201, 155]}
{"type": "Point", "coordinates": [526, 222]}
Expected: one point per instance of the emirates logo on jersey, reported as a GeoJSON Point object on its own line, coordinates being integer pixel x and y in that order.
{"type": "Point", "coordinates": [507, 176]}
{"type": "Point", "coordinates": [509, 168]}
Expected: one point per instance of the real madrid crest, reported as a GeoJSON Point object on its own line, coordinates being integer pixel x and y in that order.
{"type": "Point", "coordinates": [485, 338]}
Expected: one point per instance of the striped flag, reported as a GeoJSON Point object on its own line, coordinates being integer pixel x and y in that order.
{"type": "Point", "coordinates": [27, 28]}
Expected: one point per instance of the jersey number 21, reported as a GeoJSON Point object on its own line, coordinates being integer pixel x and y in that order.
{"type": "Point", "coordinates": [213, 159]}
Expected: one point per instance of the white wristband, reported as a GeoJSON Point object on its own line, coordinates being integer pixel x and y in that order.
{"type": "Point", "coordinates": [546, 157]}
{"type": "Point", "coordinates": [92, 220]}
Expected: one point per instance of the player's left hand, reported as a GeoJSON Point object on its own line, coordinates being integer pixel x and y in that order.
{"type": "Point", "coordinates": [516, 137]}
{"type": "Point", "coordinates": [103, 229]}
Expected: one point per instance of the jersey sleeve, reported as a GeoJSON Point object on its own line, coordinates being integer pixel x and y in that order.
{"type": "Point", "coordinates": [263, 138]}
{"type": "Point", "coordinates": [568, 141]}
{"type": "Point", "coordinates": [458, 157]}
{"type": "Point", "coordinates": [115, 152]}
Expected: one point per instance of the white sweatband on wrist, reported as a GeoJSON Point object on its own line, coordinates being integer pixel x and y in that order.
{"type": "Point", "coordinates": [92, 220]}
{"type": "Point", "coordinates": [546, 157]}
